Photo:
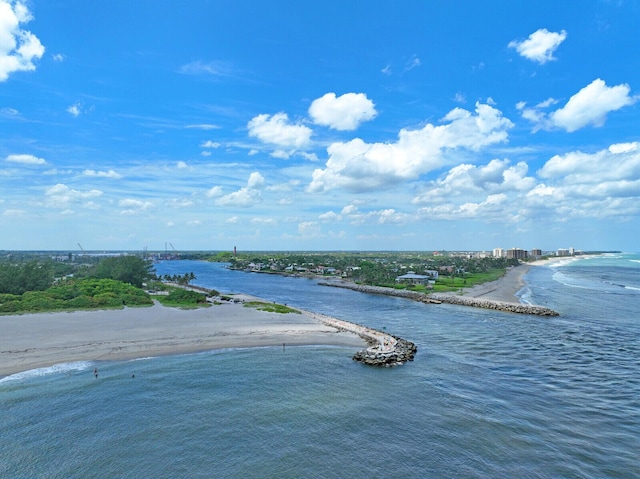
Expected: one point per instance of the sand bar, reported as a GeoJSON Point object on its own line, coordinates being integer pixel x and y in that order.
{"type": "Point", "coordinates": [31, 341]}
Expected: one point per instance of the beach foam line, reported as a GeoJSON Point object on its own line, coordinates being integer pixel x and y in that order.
{"type": "Point", "coordinates": [49, 370]}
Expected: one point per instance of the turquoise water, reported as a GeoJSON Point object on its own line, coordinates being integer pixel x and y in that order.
{"type": "Point", "coordinates": [489, 394]}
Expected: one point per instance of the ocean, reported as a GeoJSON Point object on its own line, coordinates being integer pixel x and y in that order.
{"type": "Point", "coordinates": [489, 395]}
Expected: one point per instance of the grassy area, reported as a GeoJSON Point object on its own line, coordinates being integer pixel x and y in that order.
{"type": "Point", "coordinates": [270, 307]}
{"type": "Point", "coordinates": [446, 284]}
{"type": "Point", "coordinates": [183, 298]}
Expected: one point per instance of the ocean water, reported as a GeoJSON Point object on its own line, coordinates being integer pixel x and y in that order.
{"type": "Point", "coordinates": [489, 395]}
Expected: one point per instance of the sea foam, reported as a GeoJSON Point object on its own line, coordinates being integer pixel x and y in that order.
{"type": "Point", "coordinates": [55, 369]}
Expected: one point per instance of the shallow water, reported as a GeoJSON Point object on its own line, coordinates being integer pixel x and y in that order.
{"type": "Point", "coordinates": [489, 394]}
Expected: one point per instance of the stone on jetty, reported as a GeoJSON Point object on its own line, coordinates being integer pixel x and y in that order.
{"type": "Point", "coordinates": [384, 349]}
{"type": "Point", "coordinates": [401, 352]}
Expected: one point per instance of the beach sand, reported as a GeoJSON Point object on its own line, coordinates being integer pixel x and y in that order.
{"type": "Point", "coordinates": [503, 289]}
{"type": "Point", "coordinates": [31, 341]}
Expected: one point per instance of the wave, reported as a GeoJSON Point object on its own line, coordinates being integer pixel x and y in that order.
{"type": "Point", "coordinates": [55, 369]}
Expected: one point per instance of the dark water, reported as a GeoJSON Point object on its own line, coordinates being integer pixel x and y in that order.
{"type": "Point", "coordinates": [489, 394]}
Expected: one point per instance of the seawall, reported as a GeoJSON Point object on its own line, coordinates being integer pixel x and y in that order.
{"type": "Point", "coordinates": [445, 298]}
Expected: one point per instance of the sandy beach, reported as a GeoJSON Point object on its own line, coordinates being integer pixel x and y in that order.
{"type": "Point", "coordinates": [503, 289]}
{"type": "Point", "coordinates": [31, 341]}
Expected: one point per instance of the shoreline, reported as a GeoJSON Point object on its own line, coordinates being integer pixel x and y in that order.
{"type": "Point", "coordinates": [39, 340]}
{"type": "Point", "coordinates": [500, 294]}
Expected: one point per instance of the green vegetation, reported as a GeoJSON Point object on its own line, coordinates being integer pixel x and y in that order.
{"type": "Point", "coordinates": [128, 269]}
{"type": "Point", "coordinates": [78, 294]}
{"type": "Point", "coordinates": [29, 276]}
{"type": "Point", "coordinates": [454, 270]}
{"type": "Point", "coordinates": [270, 307]}
{"type": "Point", "coordinates": [183, 298]}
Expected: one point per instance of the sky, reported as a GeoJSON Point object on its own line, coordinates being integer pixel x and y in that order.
{"type": "Point", "coordinates": [328, 125]}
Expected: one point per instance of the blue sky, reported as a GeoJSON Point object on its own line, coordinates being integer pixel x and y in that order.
{"type": "Point", "coordinates": [335, 125]}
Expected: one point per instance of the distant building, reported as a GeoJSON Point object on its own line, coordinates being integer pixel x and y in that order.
{"type": "Point", "coordinates": [536, 253]}
{"type": "Point", "coordinates": [563, 252]}
{"type": "Point", "coordinates": [498, 253]}
{"type": "Point", "coordinates": [516, 253]}
{"type": "Point", "coordinates": [413, 278]}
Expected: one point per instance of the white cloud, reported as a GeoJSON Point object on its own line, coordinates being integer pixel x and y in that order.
{"type": "Point", "coordinates": [9, 112]}
{"type": "Point", "coordinates": [589, 106]}
{"type": "Point", "coordinates": [540, 45]}
{"type": "Point", "coordinates": [263, 221]}
{"type": "Point", "coordinates": [345, 112]}
{"type": "Point", "coordinates": [203, 126]}
{"type": "Point", "coordinates": [246, 196]}
{"type": "Point", "coordinates": [360, 166]}
{"type": "Point", "coordinates": [26, 159]}
{"type": "Point", "coordinates": [309, 228]}
{"type": "Point", "coordinates": [470, 181]}
{"type": "Point", "coordinates": [181, 165]}
{"type": "Point", "coordinates": [413, 63]}
{"type": "Point", "coordinates": [74, 109]}
{"type": "Point", "coordinates": [18, 48]}
{"type": "Point", "coordinates": [210, 144]}
{"type": "Point", "coordinates": [58, 57]}
{"type": "Point", "coordinates": [277, 130]}
{"type": "Point", "coordinates": [133, 206]}
{"type": "Point", "coordinates": [214, 192]}
{"type": "Point", "coordinates": [329, 216]}
{"type": "Point", "coordinates": [215, 69]}
{"type": "Point", "coordinates": [102, 174]}
{"type": "Point", "coordinates": [60, 195]}
{"type": "Point", "coordinates": [492, 208]}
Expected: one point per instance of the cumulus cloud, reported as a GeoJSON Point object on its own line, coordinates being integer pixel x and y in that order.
{"type": "Point", "coordinates": [26, 159]}
{"type": "Point", "coordinates": [214, 192]}
{"type": "Point", "coordinates": [470, 180]}
{"type": "Point", "coordinates": [210, 144]}
{"type": "Point", "coordinates": [60, 195]}
{"type": "Point", "coordinates": [589, 106]}
{"type": "Point", "coordinates": [246, 196]}
{"type": "Point", "coordinates": [345, 112]}
{"type": "Point", "coordinates": [102, 174]}
{"type": "Point", "coordinates": [19, 48]}
{"type": "Point", "coordinates": [132, 206]}
{"type": "Point", "coordinates": [360, 166]}
{"type": "Point", "coordinates": [491, 209]}
{"type": "Point", "coordinates": [540, 45]}
{"type": "Point", "coordinates": [74, 109]}
{"type": "Point", "coordinates": [278, 130]}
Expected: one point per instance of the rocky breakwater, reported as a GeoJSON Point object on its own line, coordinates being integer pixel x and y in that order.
{"type": "Point", "coordinates": [438, 298]}
{"type": "Point", "coordinates": [383, 350]}
{"type": "Point", "coordinates": [492, 304]}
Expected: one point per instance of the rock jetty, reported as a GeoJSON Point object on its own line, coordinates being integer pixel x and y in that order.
{"type": "Point", "coordinates": [383, 350]}
{"type": "Point", "coordinates": [438, 298]}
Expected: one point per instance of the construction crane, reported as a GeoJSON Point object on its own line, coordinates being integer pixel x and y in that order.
{"type": "Point", "coordinates": [175, 251]}
{"type": "Point", "coordinates": [81, 248]}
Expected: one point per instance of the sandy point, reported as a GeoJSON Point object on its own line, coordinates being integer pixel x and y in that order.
{"type": "Point", "coordinates": [31, 341]}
